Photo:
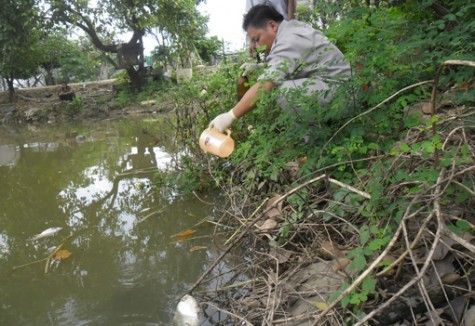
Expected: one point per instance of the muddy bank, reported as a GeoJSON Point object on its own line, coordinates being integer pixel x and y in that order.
{"type": "Point", "coordinates": [92, 100]}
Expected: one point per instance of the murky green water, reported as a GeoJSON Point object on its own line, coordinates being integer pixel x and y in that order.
{"type": "Point", "coordinates": [95, 181]}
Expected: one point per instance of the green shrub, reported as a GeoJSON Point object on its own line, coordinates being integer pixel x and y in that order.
{"type": "Point", "coordinates": [75, 106]}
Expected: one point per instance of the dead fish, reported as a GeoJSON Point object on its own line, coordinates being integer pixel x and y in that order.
{"type": "Point", "coordinates": [187, 312]}
{"type": "Point", "coordinates": [46, 233]}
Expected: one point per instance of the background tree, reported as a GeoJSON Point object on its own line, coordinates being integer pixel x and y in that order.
{"type": "Point", "coordinates": [208, 47]}
{"type": "Point", "coordinates": [81, 61]}
{"type": "Point", "coordinates": [107, 19]}
{"type": "Point", "coordinates": [20, 32]}
{"type": "Point", "coordinates": [53, 47]}
{"type": "Point", "coordinates": [178, 29]}
{"type": "Point", "coordinates": [72, 60]}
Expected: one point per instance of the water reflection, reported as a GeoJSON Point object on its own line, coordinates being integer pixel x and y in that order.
{"type": "Point", "coordinates": [8, 155]}
{"type": "Point", "coordinates": [125, 268]}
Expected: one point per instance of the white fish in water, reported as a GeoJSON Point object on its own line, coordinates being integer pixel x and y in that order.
{"type": "Point", "coordinates": [46, 233]}
{"type": "Point", "coordinates": [188, 312]}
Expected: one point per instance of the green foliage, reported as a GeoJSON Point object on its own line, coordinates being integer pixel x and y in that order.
{"type": "Point", "coordinates": [208, 47]}
{"type": "Point", "coordinates": [462, 226]}
{"type": "Point", "coordinates": [75, 63]}
{"type": "Point", "coordinates": [20, 31]}
{"type": "Point", "coordinates": [107, 19]}
{"type": "Point", "coordinates": [191, 178]}
{"type": "Point", "coordinates": [126, 96]}
{"type": "Point", "coordinates": [122, 80]}
{"type": "Point", "coordinates": [180, 30]}
{"type": "Point", "coordinates": [358, 295]}
{"type": "Point", "coordinates": [393, 47]}
{"type": "Point", "coordinates": [75, 106]}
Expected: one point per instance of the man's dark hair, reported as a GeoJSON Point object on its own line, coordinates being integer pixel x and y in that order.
{"type": "Point", "coordinates": [259, 15]}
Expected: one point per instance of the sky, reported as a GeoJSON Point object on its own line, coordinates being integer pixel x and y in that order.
{"type": "Point", "coordinates": [225, 21]}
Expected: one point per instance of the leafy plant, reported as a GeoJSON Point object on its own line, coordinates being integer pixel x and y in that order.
{"type": "Point", "coordinates": [75, 106]}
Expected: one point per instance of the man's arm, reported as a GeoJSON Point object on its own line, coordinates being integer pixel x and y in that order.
{"type": "Point", "coordinates": [291, 7]}
{"type": "Point", "coordinates": [247, 103]}
{"type": "Point", "coordinates": [249, 100]}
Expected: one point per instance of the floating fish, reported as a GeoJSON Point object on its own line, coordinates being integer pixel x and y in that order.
{"type": "Point", "coordinates": [187, 312]}
{"type": "Point", "coordinates": [46, 233]}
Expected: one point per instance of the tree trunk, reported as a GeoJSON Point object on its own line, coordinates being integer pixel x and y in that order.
{"type": "Point", "coordinates": [135, 41]}
{"type": "Point", "coordinates": [11, 89]}
{"type": "Point", "coordinates": [135, 78]}
{"type": "Point", "coordinates": [49, 79]}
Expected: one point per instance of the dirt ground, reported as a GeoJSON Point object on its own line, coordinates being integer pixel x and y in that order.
{"type": "Point", "coordinates": [93, 100]}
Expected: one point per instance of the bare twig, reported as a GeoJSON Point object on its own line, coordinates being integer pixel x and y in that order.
{"type": "Point", "coordinates": [201, 200]}
{"type": "Point", "coordinates": [372, 266]}
{"type": "Point", "coordinates": [406, 252]}
{"type": "Point", "coordinates": [48, 259]}
{"type": "Point", "coordinates": [242, 319]}
{"type": "Point", "coordinates": [350, 188]}
{"type": "Point", "coordinates": [434, 93]}
{"type": "Point", "coordinates": [426, 264]}
{"type": "Point", "coordinates": [249, 226]}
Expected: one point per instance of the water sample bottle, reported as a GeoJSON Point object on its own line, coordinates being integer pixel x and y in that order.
{"type": "Point", "coordinates": [242, 86]}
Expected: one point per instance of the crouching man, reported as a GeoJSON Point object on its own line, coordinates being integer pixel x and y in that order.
{"type": "Point", "coordinates": [297, 56]}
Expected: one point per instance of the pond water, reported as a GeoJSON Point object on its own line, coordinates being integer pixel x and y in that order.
{"type": "Point", "coordinates": [95, 181]}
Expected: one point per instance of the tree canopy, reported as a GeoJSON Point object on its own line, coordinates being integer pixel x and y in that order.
{"type": "Point", "coordinates": [31, 36]}
{"type": "Point", "coordinates": [106, 20]}
{"type": "Point", "coordinates": [19, 36]}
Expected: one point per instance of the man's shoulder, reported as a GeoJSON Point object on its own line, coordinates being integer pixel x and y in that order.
{"type": "Point", "coordinates": [296, 32]}
{"type": "Point", "coordinates": [295, 24]}
{"type": "Point", "coordinates": [288, 28]}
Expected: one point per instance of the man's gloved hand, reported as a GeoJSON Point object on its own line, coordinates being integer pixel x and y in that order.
{"type": "Point", "coordinates": [250, 67]}
{"type": "Point", "coordinates": [223, 121]}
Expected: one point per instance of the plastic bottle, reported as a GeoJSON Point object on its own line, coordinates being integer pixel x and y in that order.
{"type": "Point", "coordinates": [242, 86]}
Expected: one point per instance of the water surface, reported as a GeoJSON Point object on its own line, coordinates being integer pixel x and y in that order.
{"type": "Point", "coordinates": [96, 182]}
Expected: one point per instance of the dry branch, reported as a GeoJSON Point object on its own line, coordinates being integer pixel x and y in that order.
{"type": "Point", "coordinates": [252, 222]}
{"type": "Point", "coordinates": [248, 227]}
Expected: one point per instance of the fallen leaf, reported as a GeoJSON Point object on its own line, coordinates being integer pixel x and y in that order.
{"type": "Point", "coordinates": [293, 168]}
{"type": "Point", "coordinates": [426, 107]}
{"type": "Point", "coordinates": [184, 234]}
{"type": "Point", "coordinates": [61, 254]}
{"type": "Point", "coordinates": [340, 264]}
{"type": "Point", "coordinates": [443, 248]}
{"type": "Point", "coordinates": [470, 316]}
{"type": "Point", "coordinates": [329, 250]}
{"type": "Point", "coordinates": [450, 278]}
{"type": "Point", "coordinates": [320, 305]}
{"type": "Point", "coordinates": [269, 224]}
{"type": "Point", "coordinates": [273, 200]}
{"type": "Point", "coordinates": [443, 268]}
{"type": "Point", "coordinates": [196, 248]}
{"type": "Point", "coordinates": [280, 254]}
{"type": "Point", "coordinates": [302, 160]}
{"type": "Point", "coordinates": [274, 211]}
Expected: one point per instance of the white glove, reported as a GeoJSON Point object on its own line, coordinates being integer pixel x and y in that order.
{"type": "Point", "coordinates": [223, 121]}
{"type": "Point", "coordinates": [250, 67]}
